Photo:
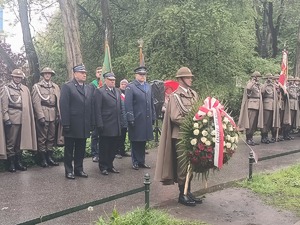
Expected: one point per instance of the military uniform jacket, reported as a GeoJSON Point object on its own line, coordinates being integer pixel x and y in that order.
{"type": "Point", "coordinates": [17, 107]}
{"type": "Point", "coordinates": [2, 133]}
{"type": "Point", "coordinates": [165, 170]}
{"type": "Point", "coordinates": [294, 104]}
{"type": "Point", "coordinates": [108, 111]}
{"type": "Point", "coordinates": [252, 99]}
{"type": "Point", "coordinates": [45, 98]}
{"type": "Point", "coordinates": [139, 108]}
{"type": "Point", "coordinates": [76, 108]}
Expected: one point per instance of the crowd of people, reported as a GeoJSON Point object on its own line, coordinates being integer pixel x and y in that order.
{"type": "Point", "coordinates": [271, 106]}
{"type": "Point", "coordinates": [49, 116]}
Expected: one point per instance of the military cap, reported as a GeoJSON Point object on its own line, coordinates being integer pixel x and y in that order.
{"type": "Point", "coordinates": [17, 73]}
{"type": "Point", "coordinates": [124, 81]}
{"type": "Point", "coordinates": [142, 70]}
{"type": "Point", "coordinates": [184, 72]}
{"type": "Point", "coordinates": [268, 76]}
{"type": "Point", "coordinates": [291, 78]}
{"type": "Point", "coordinates": [79, 68]}
{"type": "Point", "coordinates": [276, 76]}
{"type": "Point", "coordinates": [47, 70]}
{"type": "Point", "coordinates": [109, 75]}
{"type": "Point", "coordinates": [256, 74]}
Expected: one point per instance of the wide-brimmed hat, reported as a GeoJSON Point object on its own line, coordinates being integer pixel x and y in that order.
{"type": "Point", "coordinates": [47, 70]}
{"type": "Point", "coordinates": [184, 72]}
{"type": "Point", "coordinates": [256, 74]}
{"type": "Point", "coordinates": [17, 73]}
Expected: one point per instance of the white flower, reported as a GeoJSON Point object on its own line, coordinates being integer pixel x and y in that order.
{"type": "Point", "coordinates": [203, 139]}
{"type": "Point", "coordinates": [196, 125]}
{"type": "Point", "coordinates": [209, 114]}
{"type": "Point", "coordinates": [213, 133]}
{"type": "Point", "coordinates": [232, 139]}
{"type": "Point", "coordinates": [196, 132]}
{"type": "Point", "coordinates": [228, 138]}
{"type": "Point", "coordinates": [225, 120]}
{"type": "Point", "coordinates": [228, 145]}
{"type": "Point", "coordinates": [204, 133]}
{"type": "Point", "coordinates": [224, 126]}
{"type": "Point", "coordinates": [194, 141]}
{"type": "Point", "coordinates": [207, 143]}
{"type": "Point", "coordinates": [90, 208]}
{"type": "Point", "coordinates": [230, 128]}
{"type": "Point", "coordinates": [204, 121]}
{"type": "Point", "coordinates": [213, 139]}
{"type": "Point", "coordinates": [236, 138]}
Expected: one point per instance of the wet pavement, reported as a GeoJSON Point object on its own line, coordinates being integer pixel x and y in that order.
{"type": "Point", "coordinates": [40, 191]}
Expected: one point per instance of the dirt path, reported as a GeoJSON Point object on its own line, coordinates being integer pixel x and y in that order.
{"type": "Point", "coordinates": [232, 206]}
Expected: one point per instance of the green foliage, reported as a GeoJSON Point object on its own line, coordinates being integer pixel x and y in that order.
{"type": "Point", "coordinates": [144, 217]}
{"type": "Point", "coordinates": [281, 188]}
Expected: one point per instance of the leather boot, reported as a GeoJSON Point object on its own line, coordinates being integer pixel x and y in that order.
{"type": "Point", "coordinates": [18, 163]}
{"type": "Point", "coordinates": [191, 196]}
{"type": "Point", "coordinates": [43, 159]}
{"type": "Point", "coordinates": [11, 164]}
{"type": "Point", "coordinates": [50, 160]}
{"type": "Point", "coordinates": [184, 199]}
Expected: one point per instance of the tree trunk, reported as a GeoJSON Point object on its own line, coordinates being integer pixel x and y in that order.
{"type": "Point", "coordinates": [33, 61]}
{"type": "Point", "coordinates": [107, 21]}
{"type": "Point", "coordinates": [71, 34]}
{"type": "Point", "coordinates": [297, 64]}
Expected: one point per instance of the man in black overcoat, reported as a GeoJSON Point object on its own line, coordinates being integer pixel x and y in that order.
{"type": "Point", "coordinates": [76, 107]}
{"type": "Point", "coordinates": [140, 114]}
{"type": "Point", "coordinates": [108, 121]}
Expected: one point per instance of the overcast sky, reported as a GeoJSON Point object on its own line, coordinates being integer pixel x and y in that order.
{"type": "Point", "coordinates": [13, 30]}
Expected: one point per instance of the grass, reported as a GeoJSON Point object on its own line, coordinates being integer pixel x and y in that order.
{"type": "Point", "coordinates": [142, 217]}
{"type": "Point", "coordinates": [280, 188]}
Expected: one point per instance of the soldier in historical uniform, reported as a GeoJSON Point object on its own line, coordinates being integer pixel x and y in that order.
{"type": "Point", "coordinates": [2, 134]}
{"type": "Point", "coordinates": [169, 167]}
{"type": "Point", "coordinates": [271, 109]}
{"type": "Point", "coordinates": [140, 113]}
{"type": "Point", "coordinates": [18, 120]}
{"type": "Point", "coordinates": [251, 113]}
{"type": "Point", "coordinates": [292, 90]}
{"type": "Point", "coordinates": [108, 121]}
{"type": "Point", "coordinates": [45, 99]}
{"type": "Point", "coordinates": [76, 108]}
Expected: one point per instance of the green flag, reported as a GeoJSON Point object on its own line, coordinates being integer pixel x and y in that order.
{"type": "Point", "coordinates": [106, 63]}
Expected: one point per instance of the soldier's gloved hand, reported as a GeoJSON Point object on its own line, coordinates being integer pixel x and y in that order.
{"type": "Point", "coordinates": [100, 129]}
{"type": "Point", "coordinates": [8, 123]}
{"type": "Point", "coordinates": [66, 129]}
{"type": "Point", "coordinates": [42, 122]}
{"type": "Point", "coordinates": [131, 123]}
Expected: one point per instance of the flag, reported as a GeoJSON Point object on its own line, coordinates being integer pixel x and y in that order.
{"type": "Point", "coordinates": [284, 69]}
{"type": "Point", "coordinates": [107, 60]}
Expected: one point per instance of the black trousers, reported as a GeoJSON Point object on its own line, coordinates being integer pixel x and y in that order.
{"type": "Point", "coordinates": [138, 152]}
{"type": "Point", "coordinates": [108, 146]}
{"type": "Point", "coordinates": [121, 142]}
{"type": "Point", "coordinates": [94, 143]}
{"type": "Point", "coordinates": [74, 149]}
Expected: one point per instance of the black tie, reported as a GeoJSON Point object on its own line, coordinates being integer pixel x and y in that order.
{"type": "Point", "coordinates": [113, 91]}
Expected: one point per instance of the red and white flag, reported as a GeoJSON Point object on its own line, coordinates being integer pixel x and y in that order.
{"type": "Point", "coordinates": [284, 69]}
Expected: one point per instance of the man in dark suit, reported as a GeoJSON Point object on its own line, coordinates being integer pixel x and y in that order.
{"type": "Point", "coordinates": [108, 121]}
{"type": "Point", "coordinates": [77, 120]}
{"type": "Point", "coordinates": [140, 113]}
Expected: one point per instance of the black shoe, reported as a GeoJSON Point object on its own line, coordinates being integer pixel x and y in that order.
{"type": "Point", "coordinates": [113, 170]}
{"type": "Point", "coordinates": [195, 199]}
{"type": "Point", "coordinates": [144, 165]}
{"type": "Point", "coordinates": [249, 142]}
{"type": "Point", "coordinates": [104, 172]}
{"type": "Point", "coordinates": [185, 200]}
{"type": "Point", "coordinates": [50, 160]}
{"type": "Point", "coordinates": [70, 176]}
{"type": "Point", "coordinates": [11, 164]}
{"type": "Point", "coordinates": [135, 167]}
{"type": "Point", "coordinates": [265, 141]}
{"type": "Point", "coordinates": [146, 152]}
{"type": "Point", "coordinates": [272, 140]}
{"type": "Point", "coordinates": [81, 174]}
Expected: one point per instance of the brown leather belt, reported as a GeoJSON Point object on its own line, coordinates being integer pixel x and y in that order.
{"type": "Point", "coordinates": [47, 105]}
{"type": "Point", "coordinates": [15, 107]}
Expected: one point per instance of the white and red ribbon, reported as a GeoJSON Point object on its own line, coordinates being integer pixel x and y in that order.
{"type": "Point", "coordinates": [217, 109]}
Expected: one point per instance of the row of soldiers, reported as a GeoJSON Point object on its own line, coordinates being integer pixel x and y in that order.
{"type": "Point", "coordinates": [271, 106]}
{"type": "Point", "coordinates": [30, 120]}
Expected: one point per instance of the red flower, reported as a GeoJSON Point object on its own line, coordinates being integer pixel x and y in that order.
{"type": "Point", "coordinates": [190, 154]}
{"type": "Point", "coordinates": [194, 160]}
{"type": "Point", "coordinates": [197, 153]}
{"type": "Point", "coordinates": [209, 156]}
{"type": "Point", "coordinates": [201, 146]}
{"type": "Point", "coordinates": [209, 149]}
{"type": "Point", "coordinates": [203, 158]}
